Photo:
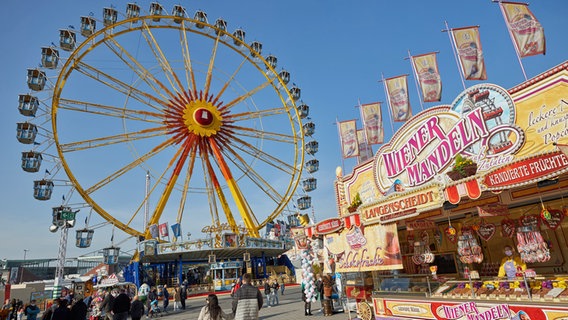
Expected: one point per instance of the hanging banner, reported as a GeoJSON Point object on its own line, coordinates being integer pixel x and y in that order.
{"type": "Point", "coordinates": [176, 230]}
{"type": "Point", "coordinates": [375, 249]}
{"type": "Point", "coordinates": [365, 150]}
{"type": "Point", "coordinates": [468, 46]}
{"type": "Point", "coordinates": [348, 136]}
{"type": "Point", "coordinates": [426, 69]}
{"type": "Point", "coordinates": [527, 32]}
{"type": "Point", "coordinates": [397, 94]}
{"type": "Point", "coordinates": [373, 122]}
{"type": "Point", "coordinates": [154, 230]}
{"type": "Point", "coordinates": [164, 230]}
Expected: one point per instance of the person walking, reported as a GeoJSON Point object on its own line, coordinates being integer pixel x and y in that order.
{"type": "Point", "coordinates": [106, 306]}
{"type": "Point", "coordinates": [248, 300]}
{"type": "Point", "coordinates": [62, 312]}
{"type": "Point", "coordinates": [136, 308]}
{"type": "Point", "coordinates": [307, 303]}
{"type": "Point", "coordinates": [212, 311]}
{"type": "Point", "coordinates": [121, 306]}
{"type": "Point", "coordinates": [183, 294]}
{"type": "Point", "coordinates": [177, 298]}
{"type": "Point", "coordinates": [267, 292]}
{"type": "Point", "coordinates": [166, 295]}
{"type": "Point", "coordinates": [282, 286]}
{"type": "Point", "coordinates": [78, 309]}
{"type": "Point", "coordinates": [32, 310]}
{"type": "Point", "coordinates": [319, 289]}
{"type": "Point", "coordinates": [152, 295]}
{"type": "Point", "coordinates": [274, 293]}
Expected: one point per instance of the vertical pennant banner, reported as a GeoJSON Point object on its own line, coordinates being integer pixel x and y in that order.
{"type": "Point", "coordinates": [348, 136]}
{"type": "Point", "coordinates": [365, 150]}
{"type": "Point", "coordinates": [153, 230]}
{"type": "Point", "coordinates": [397, 91]}
{"type": "Point", "coordinates": [164, 230]}
{"type": "Point", "coordinates": [468, 46]}
{"type": "Point", "coordinates": [525, 29]}
{"type": "Point", "coordinates": [176, 230]}
{"type": "Point", "coordinates": [426, 68]}
{"type": "Point", "coordinates": [373, 122]}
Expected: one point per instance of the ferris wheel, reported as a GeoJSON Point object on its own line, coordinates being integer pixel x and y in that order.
{"type": "Point", "coordinates": [215, 125]}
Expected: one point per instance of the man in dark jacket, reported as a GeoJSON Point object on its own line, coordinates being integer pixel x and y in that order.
{"type": "Point", "coordinates": [136, 309]}
{"type": "Point", "coordinates": [79, 309]}
{"type": "Point", "coordinates": [248, 300]}
{"type": "Point", "coordinates": [121, 306]}
{"type": "Point", "coordinates": [166, 296]}
{"type": "Point", "coordinates": [62, 312]}
{"type": "Point", "coordinates": [183, 294]}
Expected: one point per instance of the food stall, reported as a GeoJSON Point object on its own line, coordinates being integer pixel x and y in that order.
{"type": "Point", "coordinates": [426, 223]}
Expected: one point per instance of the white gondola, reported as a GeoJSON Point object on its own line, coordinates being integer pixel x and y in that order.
{"type": "Point", "coordinates": [132, 10]}
{"type": "Point", "coordinates": [110, 16]}
{"type": "Point", "coordinates": [312, 147]}
{"type": "Point", "coordinates": [43, 189]}
{"type": "Point", "coordinates": [49, 57]}
{"type": "Point", "coordinates": [303, 110]}
{"type": "Point", "coordinates": [272, 61]}
{"type": "Point", "coordinates": [84, 237]}
{"type": "Point", "coordinates": [110, 255]}
{"type": "Point", "coordinates": [309, 184]}
{"type": "Point", "coordinates": [221, 25]}
{"type": "Point", "coordinates": [88, 26]}
{"type": "Point", "coordinates": [201, 18]}
{"type": "Point", "coordinates": [26, 132]}
{"type": "Point", "coordinates": [312, 165]}
{"type": "Point", "coordinates": [239, 34]}
{"type": "Point", "coordinates": [256, 48]}
{"type": "Point", "coordinates": [156, 9]}
{"type": "Point", "coordinates": [36, 79]}
{"type": "Point", "coordinates": [304, 202]}
{"type": "Point", "coordinates": [285, 76]}
{"type": "Point", "coordinates": [179, 13]}
{"type": "Point", "coordinates": [28, 105]}
{"type": "Point", "coordinates": [295, 92]}
{"type": "Point", "coordinates": [31, 161]}
{"type": "Point", "coordinates": [309, 129]}
{"type": "Point", "coordinates": [67, 39]}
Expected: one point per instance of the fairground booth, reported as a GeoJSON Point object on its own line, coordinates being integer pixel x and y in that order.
{"type": "Point", "coordinates": [461, 215]}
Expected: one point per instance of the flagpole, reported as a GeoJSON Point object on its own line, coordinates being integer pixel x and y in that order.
{"type": "Point", "coordinates": [453, 45]}
{"type": "Point", "coordinates": [415, 73]}
{"type": "Point", "coordinates": [512, 38]}
{"type": "Point", "coordinates": [389, 102]}
{"type": "Point", "coordinates": [340, 145]}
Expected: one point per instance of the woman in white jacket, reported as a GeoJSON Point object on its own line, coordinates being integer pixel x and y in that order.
{"type": "Point", "coordinates": [212, 310]}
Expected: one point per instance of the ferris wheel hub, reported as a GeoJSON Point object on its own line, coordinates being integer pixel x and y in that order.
{"type": "Point", "coordinates": [202, 118]}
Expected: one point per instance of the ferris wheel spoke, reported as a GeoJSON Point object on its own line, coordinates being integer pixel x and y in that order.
{"type": "Point", "coordinates": [181, 156]}
{"type": "Point", "coordinates": [113, 176]}
{"type": "Point", "coordinates": [211, 65]}
{"type": "Point", "coordinates": [112, 111]}
{"type": "Point", "coordinates": [143, 73]}
{"type": "Point", "coordinates": [214, 187]}
{"type": "Point", "coordinates": [119, 86]}
{"type": "Point", "coordinates": [240, 201]}
{"type": "Point", "coordinates": [114, 139]}
{"type": "Point", "coordinates": [261, 155]}
{"type": "Point", "coordinates": [189, 174]}
{"type": "Point", "coordinates": [256, 114]}
{"type": "Point", "coordinates": [189, 75]}
{"type": "Point", "coordinates": [162, 61]}
{"type": "Point", "coordinates": [252, 174]}
{"type": "Point", "coordinates": [266, 135]}
{"type": "Point", "coordinates": [245, 96]}
{"type": "Point", "coordinates": [230, 79]}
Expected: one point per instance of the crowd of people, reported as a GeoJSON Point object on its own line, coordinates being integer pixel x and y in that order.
{"type": "Point", "coordinates": [118, 304]}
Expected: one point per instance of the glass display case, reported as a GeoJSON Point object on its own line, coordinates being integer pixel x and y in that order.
{"type": "Point", "coordinates": [539, 289]}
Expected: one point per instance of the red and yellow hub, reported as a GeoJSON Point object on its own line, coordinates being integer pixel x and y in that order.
{"type": "Point", "coordinates": [202, 118]}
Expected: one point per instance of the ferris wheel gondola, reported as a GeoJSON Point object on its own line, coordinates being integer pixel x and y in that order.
{"type": "Point", "coordinates": [205, 113]}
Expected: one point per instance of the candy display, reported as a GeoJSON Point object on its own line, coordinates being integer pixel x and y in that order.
{"type": "Point", "coordinates": [531, 245]}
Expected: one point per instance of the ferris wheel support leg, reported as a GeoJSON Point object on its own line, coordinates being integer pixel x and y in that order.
{"type": "Point", "coordinates": [60, 262]}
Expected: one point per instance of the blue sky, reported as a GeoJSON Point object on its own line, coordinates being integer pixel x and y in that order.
{"type": "Point", "coordinates": [335, 52]}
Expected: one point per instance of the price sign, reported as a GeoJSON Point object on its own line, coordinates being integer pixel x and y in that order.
{"type": "Point", "coordinates": [67, 215]}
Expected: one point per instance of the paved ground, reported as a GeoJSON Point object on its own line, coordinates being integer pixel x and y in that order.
{"type": "Point", "coordinates": [290, 308]}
